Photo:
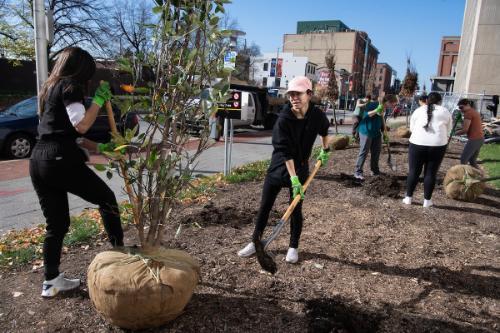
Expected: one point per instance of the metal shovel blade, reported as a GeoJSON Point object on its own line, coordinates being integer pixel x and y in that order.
{"type": "Point", "coordinates": [265, 260]}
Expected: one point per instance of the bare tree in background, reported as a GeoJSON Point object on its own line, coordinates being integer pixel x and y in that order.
{"type": "Point", "coordinates": [130, 26]}
{"type": "Point", "coordinates": [16, 40]}
{"type": "Point", "coordinates": [247, 60]}
{"type": "Point", "coordinates": [410, 84]}
{"type": "Point", "coordinates": [76, 22]}
{"type": "Point", "coordinates": [370, 82]}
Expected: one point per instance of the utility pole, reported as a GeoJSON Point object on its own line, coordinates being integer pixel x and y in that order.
{"type": "Point", "coordinates": [40, 25]}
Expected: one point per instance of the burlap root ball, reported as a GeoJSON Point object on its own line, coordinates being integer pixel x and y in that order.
{"type": "Point", "coordinates": [339, 142]}
{"type": "Point", "coordinates": [138, 291]}
{"type": "Point", "coordinates": [403, 132]}
{"type": "Point", "coordinates": [463, 182]}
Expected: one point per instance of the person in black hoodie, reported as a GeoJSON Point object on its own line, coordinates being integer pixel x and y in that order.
{"type": "Point", "coordinates": [57, 165]}
{"type": "Point", "coordinates": [295, 131]}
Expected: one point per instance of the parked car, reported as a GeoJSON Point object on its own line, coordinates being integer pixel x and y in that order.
{"type": "Point", "coordinates": [19, 122]}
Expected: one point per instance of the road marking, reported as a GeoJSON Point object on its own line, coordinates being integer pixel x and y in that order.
{"type": "Point", "coordinates": [8, 193]}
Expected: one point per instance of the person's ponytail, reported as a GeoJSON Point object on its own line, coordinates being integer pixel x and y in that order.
{"type": "Point", "coordinates": [432, 99]}
{"type": "Point", "coordinates": [430, 108]}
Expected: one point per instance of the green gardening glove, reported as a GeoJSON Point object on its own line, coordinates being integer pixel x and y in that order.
{"type": "Point", "coordinates": [380, 109]}
{"type": "Point", "coordinates": [102, 94]}
{"type": "Point", "coordinates": [324, 156]}
{"type": "Point", "coordinates": [297, 187]}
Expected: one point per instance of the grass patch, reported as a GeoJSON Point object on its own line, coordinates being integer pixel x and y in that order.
{"type": "Point", "coordinates": [20, 247]}
{"type": "Point", "coordinates": [248, 172]}
{"type": "Point", "coordinates": [82, 229]}
{"type": "Point", "coordinates": [490, 155]}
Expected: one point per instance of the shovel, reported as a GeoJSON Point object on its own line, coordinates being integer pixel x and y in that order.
{"type": "Point", "coordinates": [390, 162]}
{"type": "Point", "coordinates": [264, 259]}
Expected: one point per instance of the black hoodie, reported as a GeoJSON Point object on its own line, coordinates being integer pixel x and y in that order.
{"type": "Point", "coordinates": [294, 138]}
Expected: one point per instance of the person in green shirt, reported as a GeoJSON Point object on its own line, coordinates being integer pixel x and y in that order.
{"type": "Point", "coordinates": [370, 129]}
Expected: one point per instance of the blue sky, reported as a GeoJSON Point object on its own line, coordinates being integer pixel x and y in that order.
{"type": "Point", "coordinates": [396, 27]}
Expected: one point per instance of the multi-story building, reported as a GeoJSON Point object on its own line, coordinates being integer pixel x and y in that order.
{"type": "Point", "coordinates": [353, 50]}
{"type": "Point", "coordinates": [383, 77]}
{"type": "Point", "coordinates": [447, 65]}
{"type": "Point", "coordinates": [479, 56]}
{"type": "Point", "coordinates": [273, 70]}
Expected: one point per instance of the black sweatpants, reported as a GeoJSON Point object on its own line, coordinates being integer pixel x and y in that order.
{"type": "Point", "coordinates": [269, 193]}
{"type": "Point", "coordinates": [53, 180]}
{"type": "Point", "coordinates": [423, 157]}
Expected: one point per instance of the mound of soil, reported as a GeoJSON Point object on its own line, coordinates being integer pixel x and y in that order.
{"type": "Point", "coordinates": [211, 214]}
{"type": "Point", "coordinates": [388, 186]}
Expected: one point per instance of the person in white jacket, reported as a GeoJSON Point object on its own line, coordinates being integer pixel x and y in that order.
{"type": "Point", "coordinates": [430, 126]}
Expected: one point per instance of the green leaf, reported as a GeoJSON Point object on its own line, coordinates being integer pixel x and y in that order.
{"type": "Point", "coordinates": [100, 167]}
{"type": "Point", "coordinates": [226, 33]}
{"type": "Point", "coordinates": [109, 174]}
{"type": "Point", "coordinates": [141, 90]}
{"type": "Point", "coordinates": [192, 54]}
{"type": "Point", "coordinates": [214, 20]}
{"type": "Point", "coordinates": [157, 9]}
{"type": "Point", "coordinates": [225, 89]}
{"type": "Point", "coordinates": [152, 159]}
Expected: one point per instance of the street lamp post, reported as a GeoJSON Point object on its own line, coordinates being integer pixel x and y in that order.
{"type": "Point", "coordinates": [40, 43]}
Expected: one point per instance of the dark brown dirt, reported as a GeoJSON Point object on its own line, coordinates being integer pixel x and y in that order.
{"type": "Point", "coordinates": [367, 264]}
{"type": "Point", "coordinates": [384, 185]}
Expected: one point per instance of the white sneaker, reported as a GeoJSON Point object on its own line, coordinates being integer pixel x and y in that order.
{"type": "Point", "coordinates": [60, 283]}
{"type": "Point", "coordinates": [428, 203]}
{"type": "Point", "coordinates": [292, 256]}
{"type": "Point", "coordinates": [407, 200]}
{"type": "Point", "coordinates": [359, 176]}
{"type": "Point", "coordinates": [247, 251]}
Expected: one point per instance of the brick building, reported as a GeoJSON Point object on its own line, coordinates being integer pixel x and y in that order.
{"type": "Point", "coordinates": [354, 51]}
{"type": "Point", "coordinates": [447, 64]}
{"type": "Point", "coordinates": [383, 78]}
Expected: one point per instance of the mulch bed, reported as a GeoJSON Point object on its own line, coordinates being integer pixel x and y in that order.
{"type": "Point", "coordinates": [367, 263]}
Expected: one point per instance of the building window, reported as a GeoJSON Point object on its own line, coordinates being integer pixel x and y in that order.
{"type": "Point", "coordinates": [381, 70]}
{"type": "Point", "coordinates": [264, 81]}
{"type": "Point", "coordinates": [380, 78]}
{"type": "Point", "coordinates": [265, 66]}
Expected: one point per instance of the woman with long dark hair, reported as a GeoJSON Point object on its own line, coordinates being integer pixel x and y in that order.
{"type": "Point", "coordinates": [57, 165]}
{"type": "Point", "coordinates": [430, 126]}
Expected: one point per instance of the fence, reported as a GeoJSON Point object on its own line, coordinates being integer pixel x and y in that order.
{"type": "Point", "coordinates": [450, 102]}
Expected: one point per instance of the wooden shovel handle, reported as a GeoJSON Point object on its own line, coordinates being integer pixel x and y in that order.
{"type": "Point", "coordinates": [111, 117]}
{"type": "Point", "coordinates": [128, 187]}
{"type": "Point", "coordinates": [296, 200]}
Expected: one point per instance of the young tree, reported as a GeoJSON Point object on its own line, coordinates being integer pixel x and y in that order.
{"type": "Point", "coordinates": [332, 91]}
{"type": "Point", "coordinates": [138, 288]}
{"type": "Point", "coordinates": [183, 63]}
{"type": "Point", "coordinates": [410, 84]}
